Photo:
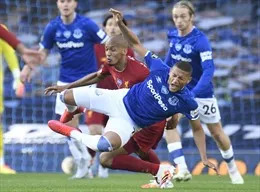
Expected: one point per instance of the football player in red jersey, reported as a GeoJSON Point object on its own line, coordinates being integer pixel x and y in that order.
{"type": "Point", "coordinates": [125, 71]}
{"type": "Point", "coordinates": [97, 121]}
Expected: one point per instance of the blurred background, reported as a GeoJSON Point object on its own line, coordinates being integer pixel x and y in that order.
{"type": "Point", "coordinates": [233, 27]}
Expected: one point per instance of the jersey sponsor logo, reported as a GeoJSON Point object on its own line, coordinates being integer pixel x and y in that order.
{"type": "Point", "coordinates": [178, 46]}
{"type": "Point", "coordinates": [173, 100]}
{"type": "Point", "coordinates": [70, 44]}
{"type": "Point", "coordinates": [156, 95]}
{"type": "Point", "coordinates": [207, 55]}
{"type": "Point", "coordinates": [77, 33]}
{"type": "Point", "coordinates": [158, 79]}
{"type": "Point", "coordinates": [119, 82]}
{"type": "Point", "coordinates": [67, 34]}
{"type": "Point", "coordinates": [58, 34]}
{"type": "Point", "coordinates": [180, 58]}
{"type": "Point", "coordinates": [194, 114]}
{"type": "Point", "coordinates": [187, 49]}
{"type": "Point", "coordinates": [164, 90]}
{"type": "Point", "coordinates": [101, 34]}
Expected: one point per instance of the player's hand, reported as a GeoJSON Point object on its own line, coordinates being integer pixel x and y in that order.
{"type": "Point", "coordinates": [32, 57]}
{"type": "Point", "coordinates": [26, 74]}
{"type": "Point", "coordinates": [54, 89]}
{"type": "Point", "coordinates": [117, 15]}
{"type": "Point", "coordinates": [210, 165]}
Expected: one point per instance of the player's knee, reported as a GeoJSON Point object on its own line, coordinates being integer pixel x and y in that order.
{"type": "Point", "coordinates": [104, 144]}
{"type": "Point", "coordinates": [105, 160]}
{"type": "Point", "coordinates": [66, 97]}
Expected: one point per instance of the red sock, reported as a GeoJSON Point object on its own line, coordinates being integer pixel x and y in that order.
{"type": "Point", "coordinates": [130, 163]}
{"type": "Point", "coordinates": [91, 152]}
{"type": "Point", "coordinates": [151, 157]}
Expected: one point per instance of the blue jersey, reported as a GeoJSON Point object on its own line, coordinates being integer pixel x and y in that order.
{"type": "Point", "coordinates": [194, 48]}
{"type": "Point", "coordinates": [75, 42]}
{"type": "Point", "coordinates": [151, 101]}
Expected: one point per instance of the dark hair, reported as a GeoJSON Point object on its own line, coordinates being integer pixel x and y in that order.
{"type": "Point", "coordinates": [186, 4]}
{"type": "Point", "coordinates": [109, 17]}
{"type": "Point", "coordinates": [185, 66]}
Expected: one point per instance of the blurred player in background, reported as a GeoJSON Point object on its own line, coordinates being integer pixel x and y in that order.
{"type": "Point", "coordinates": [8, 53]}
{"type": "Point", "coordinates": [30, 57]}
{"type": "Point", "coordinates": [75, 36]}
{"type": "Point", "coordinates": [187, 43]}
{"type": "Point", "coordinates": [97, 121]}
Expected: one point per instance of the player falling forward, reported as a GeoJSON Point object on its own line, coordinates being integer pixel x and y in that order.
{"type": "Point", "coordinates": [131, 109]}
{"type": "Point", "coordinates": [187, 43]}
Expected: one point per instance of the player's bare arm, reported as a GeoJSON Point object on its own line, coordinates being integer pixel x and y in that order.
{"type": "Point", "coordinates": [200, 140]}
{"type": "Point", "coordinates": [84, 81]}
{"type": "Point", "coordinates": [132, 39]}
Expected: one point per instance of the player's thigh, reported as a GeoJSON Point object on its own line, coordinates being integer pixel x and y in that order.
{"type": "Point", "coordinates": [103, 101]}
{"type": "Point", "coordinates": [122, 127]}
{"type": "Point", "coordinates": [208, 110]}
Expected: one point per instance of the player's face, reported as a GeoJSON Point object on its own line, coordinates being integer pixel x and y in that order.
{"type": "Point", "coordinates": [66, 7]}
{"type": "Point", "coordinates": [178, 79]}
{"type": "Point", "coordinates": [114, 54]}
{"type": "Point", "coordinates": [182, 18]}
{"type": "Point", "coordinates": [112, 28]}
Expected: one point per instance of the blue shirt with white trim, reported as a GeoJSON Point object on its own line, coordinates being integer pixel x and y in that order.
{"type": "Point", "coordinates": [151, 101]}
{"type": "Point", "coordinates": [194, 48]}
{"type": "Point", "coordinates": [75, 43]}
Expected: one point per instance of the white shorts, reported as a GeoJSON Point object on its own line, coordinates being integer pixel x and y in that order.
{"type": "Point", "coordinates": [208, 110]}
{"type": "Point", "coordinates": [59, 105]}
{"type": "Point", "coordinates": [108, 102]}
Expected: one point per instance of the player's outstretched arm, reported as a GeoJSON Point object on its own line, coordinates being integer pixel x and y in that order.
{"type": "Point", "coordinates": [132, 39]}
{"type": "Point", "coordinates": [200, 140]}
{"type": "Point", "coordinates": [84, 81]}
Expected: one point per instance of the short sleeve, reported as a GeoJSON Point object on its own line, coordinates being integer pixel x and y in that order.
{"type": "Point", "coordinates": [47, 40]}
{"type": "Point", "coordinates": [97, 35]}
{"type": "Point", "coordinates": [154, 62]}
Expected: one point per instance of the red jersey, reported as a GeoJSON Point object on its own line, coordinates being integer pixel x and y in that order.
{"type": "Point", "coordinates": [8, 37]}
{"type": "Point", "coordinates": [135, 72]}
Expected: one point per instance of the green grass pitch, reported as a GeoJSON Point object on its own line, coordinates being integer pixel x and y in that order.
{"type": "Point", "coordinates": [34, 182]}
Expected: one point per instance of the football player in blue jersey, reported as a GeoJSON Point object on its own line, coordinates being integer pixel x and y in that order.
{"type": "Point", "coordinates": [161, 95]}
{"type": "Point", "coordinates": [75, 37]}
{"type": "Point", "coordinates": [188, 43]}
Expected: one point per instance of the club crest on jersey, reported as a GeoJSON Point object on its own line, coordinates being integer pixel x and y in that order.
{"type": "Point", "coordinates": [58, 34]}
{"type": "Point", "coordinates": [158, 79]}
{"type": "Point", "coordinates": [187, 49]}
{"type": "Point", "coordinates": [77, 33]}
{"type": "Point", "coordinates": [173, 100]}
{"type": "Point", "coordinates": [164, 90]}
{"type": "Point", "coordinates": [67, 34]}
{"type": "Point", "coordinates": [178, 46]}
{"type": "Point", "coordinates": [119, 82]}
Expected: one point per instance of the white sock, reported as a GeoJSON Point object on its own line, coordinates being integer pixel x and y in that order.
{"type": "Point", "coordinates": [90, 141]}
{"type": "Point", "coordinates": [228, 156]}
{"type": "Point", "coordinates": [176, 154]}
{"type": "Point", "coordinates": [75, 152]}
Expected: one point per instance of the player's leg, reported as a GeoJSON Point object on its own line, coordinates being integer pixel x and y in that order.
{"type": "Point", "coordinates": [209, 114]}
{"type": "Point", "coordinates": [4, 169]}
{"type": "Point", "coordinates": [226, 151]}
{"type": "Point", "coordinates": [120, 159]}
{"type": "Point", "coordinates": [96, 123]}
{"type": "Point", "coordinates": [174, 146]}
{"type": "Point", "coordinates": [77, 149]}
